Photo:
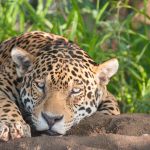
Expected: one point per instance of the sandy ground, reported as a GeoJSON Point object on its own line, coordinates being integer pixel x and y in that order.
{"type": "Point", "coordinates": [122, 132]}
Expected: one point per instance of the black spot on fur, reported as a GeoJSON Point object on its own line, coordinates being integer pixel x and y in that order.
{"type": "Point", "coordinates": [14, 115]}
{"type": "Point", "coordinates": [89, 88]}
{"type": "Point", "coordinates": [101, 109]}
{"type": "Point", "coordinates": [7, 105]}
{"type": "Point", "coordinates": [43, 69]}
{"type": "Point", "coordinates": [88, 110]}
{"type": "Point", "coordinates": [4, 115]}
{"type": "Point", "coordinates": [23, 92]}
{"type": "Point", "coordinates": [19, 80]}
{"type": "Point", "coordinates": [75, 69]}
{"type": "Point", "coordinates": [86, 75]}
{"type": "Point", "coordinates": [18, 112]}
{"type": "Point", "coordinates": [89, 95]}
{"type": "Point", "coordinates": [107, 101]}
{"type": "Point", "coordinates": [81, 108]}
{"type": "Point", "coordinates": [12, 120]}
{"type": "Point", "coordinates": [92, 62]}
{"type": "Point", "coordinates": [111, 108]}
{"type": "Point", "coordinates": [96, 94]}
{"type": "Point", "coordinates": [26, 101]}
{"type": "Point", "coordinates": [6, 110]}
{"type": "Point", "coordinates": [73, 73]}
{"type": "Point", "coordinates": [4, 119]}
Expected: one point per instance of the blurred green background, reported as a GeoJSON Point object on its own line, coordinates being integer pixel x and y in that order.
{"type": "Point", "coordinates": [104, 28]}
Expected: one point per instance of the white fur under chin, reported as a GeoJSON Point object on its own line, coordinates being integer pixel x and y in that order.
{"type": "Point", "coordinates": [59, 127]}
{"type": "Point", "coordinates": [41, 124]}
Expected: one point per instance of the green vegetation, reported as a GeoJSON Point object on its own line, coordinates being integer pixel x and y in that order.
{"type": "Point", "coordinates": [100, 29]}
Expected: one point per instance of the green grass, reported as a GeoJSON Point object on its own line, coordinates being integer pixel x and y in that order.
{"type": "Point", "coordinates": [98, 29]}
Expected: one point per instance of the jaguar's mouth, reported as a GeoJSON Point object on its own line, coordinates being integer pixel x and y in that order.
{"type": "Point", "coordinates": [51, 133]}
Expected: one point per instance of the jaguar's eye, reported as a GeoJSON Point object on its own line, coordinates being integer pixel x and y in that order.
{"type": "Point", "coordinates": [75, 90]}
{"type": "Point", "coordinates": [40, 84]}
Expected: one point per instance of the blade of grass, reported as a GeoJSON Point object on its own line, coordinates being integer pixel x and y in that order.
{"type": "Point", "coordinates": [101, 12]}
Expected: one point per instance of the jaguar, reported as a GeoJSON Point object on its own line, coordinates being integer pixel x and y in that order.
{"type": "Point", "coordinates": [52, 82]}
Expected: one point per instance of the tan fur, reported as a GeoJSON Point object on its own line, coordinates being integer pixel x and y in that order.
{"type": "Point", "coordinates": [70, 69]}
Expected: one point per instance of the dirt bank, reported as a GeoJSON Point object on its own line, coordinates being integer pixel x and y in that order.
{"type": "Point", "coordinates": [123, 132]}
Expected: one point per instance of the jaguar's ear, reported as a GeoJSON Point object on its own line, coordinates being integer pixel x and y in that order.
{"type": "Point", "coordinates": [106, 70]}
{"type": "Point", "coordinates": [22, 59]}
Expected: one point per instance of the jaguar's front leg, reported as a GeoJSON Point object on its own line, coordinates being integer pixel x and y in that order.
{"type": "Point", "coordinates": [109, 105]}
{"type": "Point", "coordinates": [12, 125]}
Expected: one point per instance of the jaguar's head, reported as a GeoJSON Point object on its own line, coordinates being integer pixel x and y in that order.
{"type": "Point", "coordinates": [61, 86]}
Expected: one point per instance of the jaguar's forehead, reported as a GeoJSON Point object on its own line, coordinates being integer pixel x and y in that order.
{"type": "Point", "coordinates": [62, 60]}
{"type": "Point", "coordinates": [64, 50]}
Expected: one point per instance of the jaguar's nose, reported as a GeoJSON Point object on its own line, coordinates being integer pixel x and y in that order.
{"type": "Point", "coordinates": [51, 120]}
